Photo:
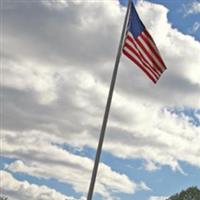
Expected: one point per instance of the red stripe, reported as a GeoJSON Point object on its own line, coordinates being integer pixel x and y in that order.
{"type": "Point", "coordinates": [143, 59]}
{"type": "Point", "coordinates": [149, 36]}
{"type": "Point", "coordinates": [139, 65]}
{"type": "Point", "coordinates": [130, 39]}
{"type": "Point", "coordinates": [146, 52]}
{"type": "Point", "coordinates": [153, 49]}
{"type": "Point", "coordinates": [138, 55]}
{"type": "Point", "coordinates": [148, 55]}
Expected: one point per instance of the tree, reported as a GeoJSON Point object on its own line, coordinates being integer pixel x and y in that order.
{"type": "Point", "coordinates": [3, 198]}
{"type": "Point", "coordinates": [192, 193]}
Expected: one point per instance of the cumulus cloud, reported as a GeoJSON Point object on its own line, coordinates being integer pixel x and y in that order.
{"type": "Point", "coordinates": [161, 139]}
{"type": "Point", "coordinates": [195, 27]}
{"type": "Point", "coordinates": [158, 198]}
{"type": "Point", "coordinates": [193, 8]}
{"type": "Point", "coordinates": [40, 157]}
{"type": "Point", "coordinates": [23, 190]}
{"type": "Point", "coordinates": [57, 59]}
{"type": "Point", "coordinates": [72, 43]}
{"type": "Point", "coordinates": [59, 4]}
{"type": "Point", "coordinates": [45, 78]}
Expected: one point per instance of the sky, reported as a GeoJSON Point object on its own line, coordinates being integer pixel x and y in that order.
{"type": "Point", "coordinates": [57, 58]}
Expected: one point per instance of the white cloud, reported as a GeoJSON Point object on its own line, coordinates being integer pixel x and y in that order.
{"type": "Point", "coordinates": [73, 89]}
{"type": "Point", "coordinates": [158, 136]}
{"type": "Point", "coordinates": [143, 186]}
{"type": "Point", "coordinates": [96, 56]}
{"type": "Point", "coordinates": [58, 4]}
{"type": "Point", "coordinates": [40, 158]}
{"type": "Point", "coordinates": [27, 77]}
{"type": "Point", "coordinates": [195, 27]}
{"type": "Point", "coordinates": [23, 190]}
{"type": "Point", "coordinates": [196, 7]}
{"type": "Point", "coordinates": [158, 198]}
{"type": "Point", "coordinates": [151, 166]}
{"type": "Point", "coordinates": [56, 70]}
{"type": "Point", "coordinates": [193, 8]}
{"type": "Point", "coordinates": [197, 115]}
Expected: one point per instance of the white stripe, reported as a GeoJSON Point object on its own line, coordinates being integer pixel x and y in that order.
{"type": "Point", "coordinates": [130, 34]}
{"type": "Point", "coordinates": [142, 52]}
{"type": "Point", "coordinates": [150, 52]}
{"type": "Point", "coordinates": [152, 43]}
{"type": "Point", "coordinates": [134, 56]}
{"type": "Point", "coordinates": [140, 49]}
{"type": "Point", "coordinates": [154, 47]}
{"type": "Point", "coordinates": [157, 73]}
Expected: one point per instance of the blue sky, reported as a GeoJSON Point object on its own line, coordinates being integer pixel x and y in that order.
{"type": "Point", "coordinates": [177, 15]}
{"type": "Point", "coordinates": [57, 62]}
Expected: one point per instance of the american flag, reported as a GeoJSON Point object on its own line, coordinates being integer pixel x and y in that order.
{"type": "Point", "coordinates": [141, 49]}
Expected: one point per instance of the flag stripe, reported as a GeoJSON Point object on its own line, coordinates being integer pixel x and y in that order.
{"type": "Point", "coordinates": [130, 46]}
{"type": "Point", "coordinates": [145, 55]}
{"type": "Point", "coordinates": [148, 52]}
{"type": "Point", "coordinates": [140, 47]}
{"type": "Point", "coordinates": [140, 66]}
{"type": "Point", "coordinates": [146, 33]}
{"type": "Point", "coordinates": [149, 36]}
{"type": "Point", "coordinates": [153, 48]}
{"type": "Point", "coordinates": [144, 65]}
{"type": "Point", "coordinates": [132, 57]}
{"type": "Point", "coordinates": [130, 37]}
{"type": "Point", "coordinates": [130, 41]}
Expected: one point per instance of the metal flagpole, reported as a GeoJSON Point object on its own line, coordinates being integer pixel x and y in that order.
{"type": "Point", "coordinates": [107, 109]}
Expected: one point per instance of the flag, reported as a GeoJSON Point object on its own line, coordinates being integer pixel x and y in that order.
{"type": "Point", "coordinates": [141, 49]}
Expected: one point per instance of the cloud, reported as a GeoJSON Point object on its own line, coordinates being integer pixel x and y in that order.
{"type": "Point", "coordinates": [39, 80]}
{"type": "Point", "coordinates": [143, 186]}
{"type": "Point", "coordinates": [161, 139]}
{"type": "Point", "coordinates": [40, 157]}
{"type": "Point", "coordinates": [57, 63]}
{"type": "Point", "coordinates": [58, 4]}
{"type": "Point", "coordinates": [193, 8]}
{"type": "Point", "coordinates": [60, 95]}
{"type": "Point", "coordinates": [195, 27]}
{"type": "Point", "coordinates": [158, 198]}
{"type": "Point", "coordinates": [62, 37]}
{"type": "Point", "coordinates": [23, 190]}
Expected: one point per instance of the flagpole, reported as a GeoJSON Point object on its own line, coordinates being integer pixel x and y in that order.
{"type": "Point", "coordinates": [107, 109]}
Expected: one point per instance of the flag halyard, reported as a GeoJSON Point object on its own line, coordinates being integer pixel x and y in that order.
{"type": "Point", "coordinates": [140, 48]}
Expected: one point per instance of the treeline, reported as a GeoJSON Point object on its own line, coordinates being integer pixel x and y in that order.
{"type": "Point", "coordinates": [3, 198]}
{"type": "Point", "coordinates": [192, 193]}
